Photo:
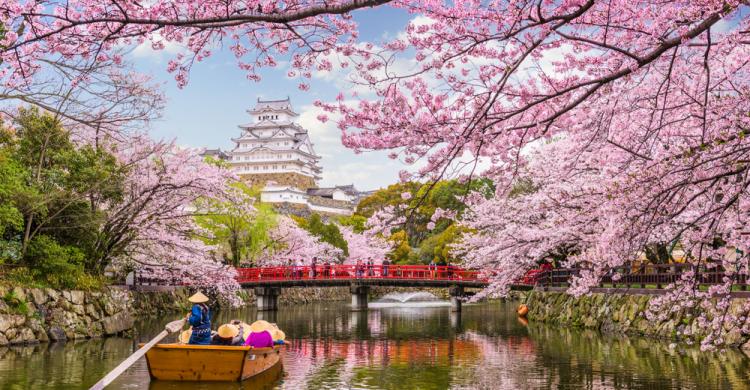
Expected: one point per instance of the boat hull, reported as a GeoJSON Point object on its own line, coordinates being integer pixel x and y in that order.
{"type": "Point", "coordinates": [193, 363]}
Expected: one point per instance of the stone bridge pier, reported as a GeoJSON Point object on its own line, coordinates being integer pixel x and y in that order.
{"type": "Point", "coordinates": [359, 296]}
{"type": "Point", "coordinates": [267, 298]}
{"type": "Point", "coordinates": [457, 294]}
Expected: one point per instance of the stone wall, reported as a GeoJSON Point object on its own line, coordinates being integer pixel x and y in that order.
{"type": "Point", "coordinates": [625, 313]}
{"type": "Point", "coordinates": [155, 303]}
{"type": "Point", "coordinates": [327, 202]}
{"type": "Point", "coordinates": [289, 179]}
{"type": "Point", "coordinates": [40, 315]}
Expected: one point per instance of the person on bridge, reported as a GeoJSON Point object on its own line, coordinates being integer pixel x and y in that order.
{"type": "Point", "coordinates": [289, 268]}
{"type": "Point", "coordinates": [433, 268]}
{"type": "Point", "coordinates": [370, 267]}
{"type": "Point", "coordinates": [313, 265]}
{"type": "Point", "coordinates": [200, 319]}
{"type": "Point", "coordinates": [358, 269]}
{"type": "Point", "coordinates": [386, 263]}
{"type": "Point", "coordinates": [327, 269]}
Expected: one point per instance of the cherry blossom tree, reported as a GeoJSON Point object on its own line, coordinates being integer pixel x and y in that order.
{"type": "Point", "coordinates": [364, 246]}
{"type": "Point", "coordinates": [152, 228]}
{"type": "Point", "coordinates": [296, 245]}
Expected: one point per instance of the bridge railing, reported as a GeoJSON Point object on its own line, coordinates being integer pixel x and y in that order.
{"type": "Point", "coordinates": [350, 271]}
{"type": "Point", "coordinates": [654, 276]}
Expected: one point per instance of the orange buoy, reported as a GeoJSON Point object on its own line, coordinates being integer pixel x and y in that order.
{"type": "Point", "coordinates": [523, 321]}
{"type": "Point", "coordinates": [522, 310]}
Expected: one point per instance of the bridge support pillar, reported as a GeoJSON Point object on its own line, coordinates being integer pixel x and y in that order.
{"type": "Point", "coordinates": [359, 297]}
{"type": "Point", "coordinates": [267, 298]}
{"type": "Point", "coordinates": [456, 293]}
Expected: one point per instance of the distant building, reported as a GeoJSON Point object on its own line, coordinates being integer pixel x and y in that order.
{"type": "Point", "coordinates": [275, 152]}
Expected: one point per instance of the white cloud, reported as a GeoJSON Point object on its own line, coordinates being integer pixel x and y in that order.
{"type": "Point", "coordinates": [145, 49]}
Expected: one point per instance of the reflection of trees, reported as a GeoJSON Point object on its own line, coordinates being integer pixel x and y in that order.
{"type": "Point", "coordinates": [64, 365]}
{"type": "Point", "coordinates": [596, 359]}
{"type": "Point", "coordinates": [382, 363]}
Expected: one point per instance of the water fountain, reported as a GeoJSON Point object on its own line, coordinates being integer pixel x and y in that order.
{"type": "Point", "coordinates": [404, 297]}
{"type": "Point", "coordinates": [409, 299]}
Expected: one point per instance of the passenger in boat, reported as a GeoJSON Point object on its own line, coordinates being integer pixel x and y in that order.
{"type": "Point", "coordinates": [278, 336]}
{"type": "Point", "coordinates": [228, 334]}
{"type": "Point", "coordinates": [200, 320]}
{"type": "Point", "coordinates": [260, 335]}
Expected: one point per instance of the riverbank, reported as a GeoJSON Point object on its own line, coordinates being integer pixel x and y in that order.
{"type": "Point", "coordinates": [625, 314]}
{"type": "Point", "coordinates": [35, 315]}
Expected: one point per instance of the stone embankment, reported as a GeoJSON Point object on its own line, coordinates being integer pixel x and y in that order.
{"type": "Point", "coordinates": [625, 313]}
{"type": "Point", "coordinates": [41, 315]}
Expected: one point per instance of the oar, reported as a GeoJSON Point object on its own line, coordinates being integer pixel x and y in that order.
{"type": "Point", "coordinates": [171, 327]}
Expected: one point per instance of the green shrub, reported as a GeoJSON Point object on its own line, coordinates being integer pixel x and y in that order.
{"type": "Point", "coordinates": [16, 304]}
{"type": "Point", "coordinates": [58, 265]}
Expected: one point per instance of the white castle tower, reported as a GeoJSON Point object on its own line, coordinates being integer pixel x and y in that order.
{"type": "Point", "coordinates": [276, 153]}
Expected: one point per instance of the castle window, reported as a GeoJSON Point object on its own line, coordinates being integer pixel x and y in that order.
{"type": "Point", "coordinates": [255, 168]}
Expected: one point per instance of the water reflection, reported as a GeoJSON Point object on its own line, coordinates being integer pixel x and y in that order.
{"type": "Point", "coordinates": [485, 347]}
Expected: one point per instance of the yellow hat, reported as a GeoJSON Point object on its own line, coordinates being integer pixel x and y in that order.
{"type": "Point", "coordinates": [278, 334]}
{"type": "Point", "coordinates": [185, 336]}
{"type": "Point", "coordinates": [228, 331]}
{"type": "Point", "coordinates": [245, 329]}
{"type": "Point", "coordinates": [259, 326]}
{"type": "Point", "coordinates": [198, 298]}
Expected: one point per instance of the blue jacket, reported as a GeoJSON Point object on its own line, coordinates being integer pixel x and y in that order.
{"type": "Point", "coordinates": [200, 319]}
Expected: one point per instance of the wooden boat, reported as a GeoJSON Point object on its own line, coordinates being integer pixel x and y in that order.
{"type": "Point", "coordinates": [183, 362]}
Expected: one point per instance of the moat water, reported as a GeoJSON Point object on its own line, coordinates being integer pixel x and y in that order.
{"type": "Point", "coordinates": [406, 346]}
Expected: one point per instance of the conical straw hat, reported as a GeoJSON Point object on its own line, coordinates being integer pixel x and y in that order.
{"type": "Point", "coordinates": [278, 334]}
{"type": "Point", "coordinates": [198, 298]}
{"type": "Point", "coordinates": [185, 336]}
{"type": "Point", "coordinates": [245, 329]}
{"type": "Point", "coordinates": [259, 326]}
{"type": "Point", "coordinates": [228, 331]}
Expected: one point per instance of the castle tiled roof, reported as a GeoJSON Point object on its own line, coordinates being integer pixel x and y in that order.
{"type": "Point", "coordinates": [273, 105]}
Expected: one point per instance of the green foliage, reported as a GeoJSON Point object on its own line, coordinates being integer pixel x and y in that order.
{"type": "Point", "coordinates": [240, 226]}
{"type": "Point", "coordinates": [326, 232]}
{"type": "Point", "coordinates": [58, 265]}
{"type": "Point", "coordinates": [401, 252]}
{"type": "Point", "coordinates": [419, 208]}
{"type": "Point", "coordinates": [437, 247]}
{"type": "Point", "coordinates": [522, 186]}
{"type": "Point", "coordinates": [52, 194]}
{"type": "Point", "coordinates": [356, 222]}
{"type": "Point", "coordinates": [15, 303]}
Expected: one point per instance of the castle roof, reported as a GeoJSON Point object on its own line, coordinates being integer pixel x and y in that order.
{"type": "Point", "coordinates": [284, 105]}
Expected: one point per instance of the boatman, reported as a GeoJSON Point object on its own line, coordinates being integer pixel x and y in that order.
{"type": "Point", "coordinates": [200, 320]}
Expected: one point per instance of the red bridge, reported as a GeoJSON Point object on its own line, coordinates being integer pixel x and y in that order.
{"type": "Point", "coordinates": [268, 281]}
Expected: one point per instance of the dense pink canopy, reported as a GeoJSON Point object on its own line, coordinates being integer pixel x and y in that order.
{"type": "Point", "coordinates": [637, 110]}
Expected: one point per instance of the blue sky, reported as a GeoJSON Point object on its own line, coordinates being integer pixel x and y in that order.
{"type": "Point", "coordinates": [206, 112]}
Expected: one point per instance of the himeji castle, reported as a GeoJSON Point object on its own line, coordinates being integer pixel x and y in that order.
{"type": "Point", "coordinates": [276, 153]}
